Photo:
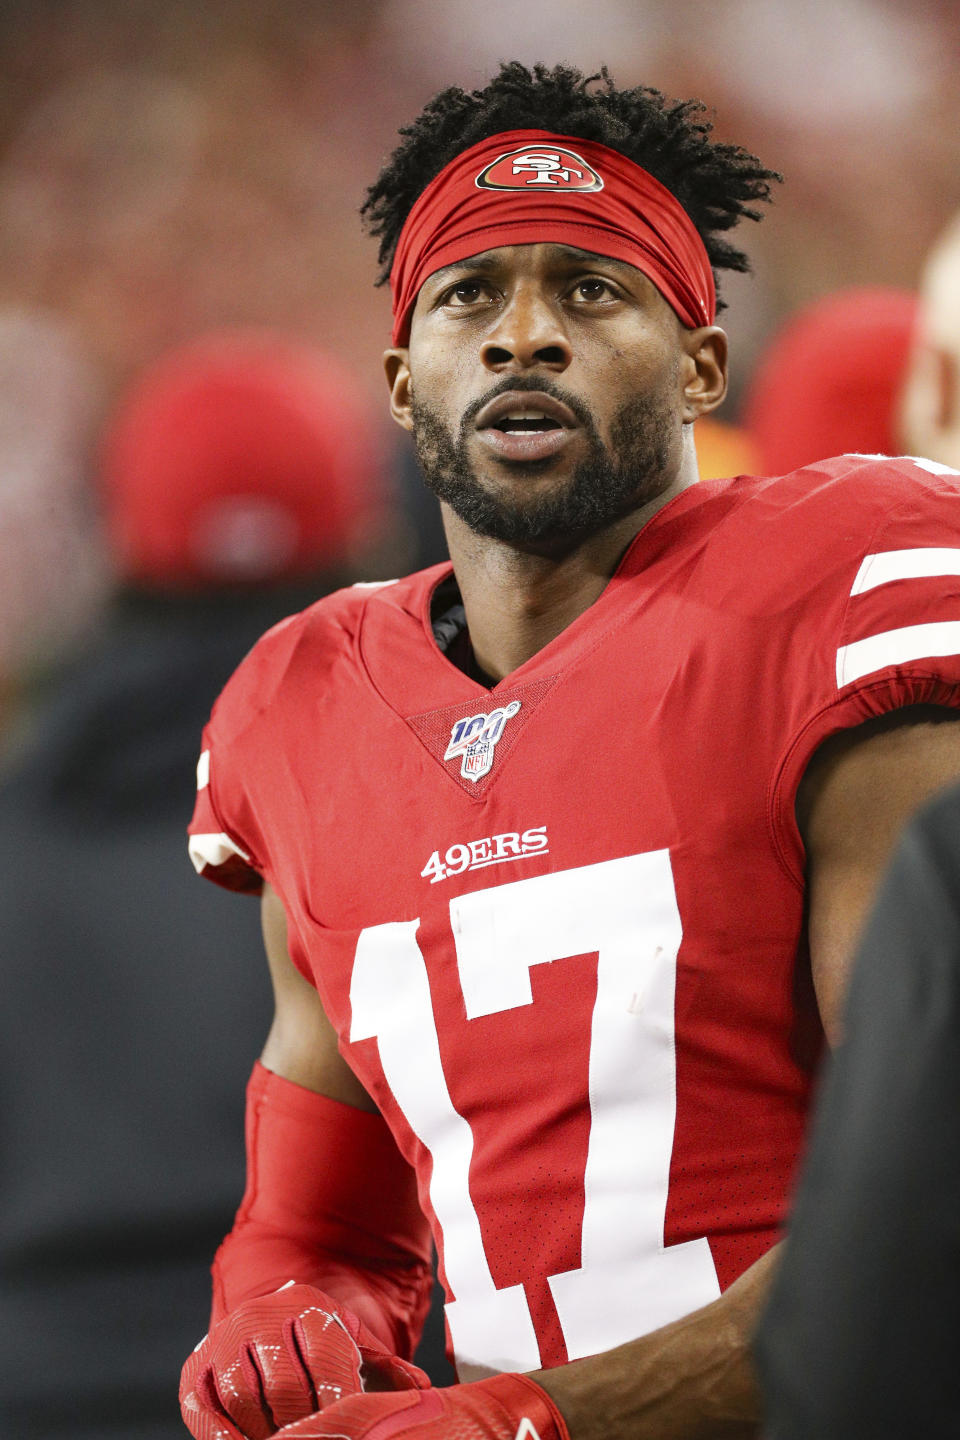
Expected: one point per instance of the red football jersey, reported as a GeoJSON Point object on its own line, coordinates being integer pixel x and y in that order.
{"type": "Point", "coordinates": [558, 925]}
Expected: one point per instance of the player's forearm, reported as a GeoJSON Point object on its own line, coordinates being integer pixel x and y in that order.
{"type": "Point", "coordinates": [692, 1380]}
{"type": "Point", "coordinates": [329, 1203]}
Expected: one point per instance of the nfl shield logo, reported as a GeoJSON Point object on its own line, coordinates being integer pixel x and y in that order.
{"type": "Point", "coordinates": [475, 739]}
{"type": "Point", "coordinates": [477, 759]}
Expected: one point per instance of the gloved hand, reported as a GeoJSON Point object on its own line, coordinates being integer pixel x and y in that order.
{"type": "Point", "coordinates": [280, 1357]}
{"type": "Point", "coordinates": [505, 1407]}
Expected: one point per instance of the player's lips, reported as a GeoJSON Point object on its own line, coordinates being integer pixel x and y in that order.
{"type": "Point", "coordinates": [526, 425]}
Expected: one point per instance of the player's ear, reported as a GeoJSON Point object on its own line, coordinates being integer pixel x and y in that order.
{"type": "Point", "coordinates": [396, 364]}
{"type": "Point", "coordinates": [704, 370]}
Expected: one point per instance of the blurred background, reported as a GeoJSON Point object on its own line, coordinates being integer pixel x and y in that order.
{"type": "Point", "coordinates": [168, 168]}
{"type": "Point", "coordinates": [172, 172]}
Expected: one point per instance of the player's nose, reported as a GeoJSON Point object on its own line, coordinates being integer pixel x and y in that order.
{"type": "Point", "coordinates": [529, 332]}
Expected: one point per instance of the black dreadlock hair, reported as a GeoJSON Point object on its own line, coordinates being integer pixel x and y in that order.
{"type": "Point", "coordinates": [717, 184]}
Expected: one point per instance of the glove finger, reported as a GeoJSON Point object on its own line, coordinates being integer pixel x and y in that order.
{"type": "Point", "coordinates": [202, 1404]}
{"type": "Point", "coordinates": [330, 1354]}
{"type": "Point", "coordinates": [261, 1379]}
{"type": "Point", "coordinates": [232, 1385]}
{"type": "Point", "coordinates": [379, 1370]}
{"type": "Point", "coordinates": [203, 1424]}
{"type": "Point", "coordinates": [285, 1384]}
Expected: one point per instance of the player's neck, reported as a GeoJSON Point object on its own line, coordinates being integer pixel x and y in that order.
{"type": "Point", "coordinates": [517, 601]}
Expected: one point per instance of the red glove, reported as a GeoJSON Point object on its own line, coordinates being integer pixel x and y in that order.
{"type": "Point", "coordinates": [280, 1357]}
{"type": "Point", "coordinates": [505, 1407]}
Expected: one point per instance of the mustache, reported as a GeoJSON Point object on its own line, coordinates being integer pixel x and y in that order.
{"type": "Point", "coordinates": [544, 386]}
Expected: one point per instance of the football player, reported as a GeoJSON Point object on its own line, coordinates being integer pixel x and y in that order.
{"type": "Point", "coordinates": [563, 847]}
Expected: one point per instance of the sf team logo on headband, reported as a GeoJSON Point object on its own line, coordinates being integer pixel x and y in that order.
{"type": "Point", "coordinates": [535, 167]}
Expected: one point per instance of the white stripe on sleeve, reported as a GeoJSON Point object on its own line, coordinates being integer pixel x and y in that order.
{"type": "Point", "coordinates": [916, 564]}
{"type": "Point", "coordinates": [213, 850]}
{"type": "Point", "coordinates": [203, 770]}
{"type": "Point", "coordinates": [896, 647]}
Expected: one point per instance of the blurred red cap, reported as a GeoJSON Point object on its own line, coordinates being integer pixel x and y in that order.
{"type": "Point", "coordinates": [242, 457]}
{"type": "Point", "coordinates": [829, 382]}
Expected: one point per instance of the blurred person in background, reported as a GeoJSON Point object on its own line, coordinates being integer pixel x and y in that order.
{"type": "Point", "coordinates": [929, 418]}
{"type": "Point", "coordinates": [829, 382]}
{"type": "Point", "coordinates": [240, 477]}
{"type": "Point", "coordinates": [859, 1339]}
{"type": "Point", "coordinates": [623, 693]}
{"type": "Point", "coordinates": [724, 449]}
{"type": "Point", "coordinates": [53, 572]}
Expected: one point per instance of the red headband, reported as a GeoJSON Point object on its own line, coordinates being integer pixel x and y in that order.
{"type": "Point", "coordinates": [525, 186]}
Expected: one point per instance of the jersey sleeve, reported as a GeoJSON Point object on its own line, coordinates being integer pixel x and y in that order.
{"type": "Point", "coordinates": [227, 835]}
{"type": "Point", "coordinates": [218, 850]}
{"type": "Point", "coordinates": [897, 641]}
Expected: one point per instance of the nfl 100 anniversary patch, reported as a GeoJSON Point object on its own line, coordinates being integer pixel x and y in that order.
{"type": "Point", "coordinates": [475, 739]}
{"type": "Point", "coordinates": [471, 740]}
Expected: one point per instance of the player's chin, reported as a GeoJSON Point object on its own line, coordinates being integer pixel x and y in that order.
{"type": "Point", "coordinates": [525, 483]}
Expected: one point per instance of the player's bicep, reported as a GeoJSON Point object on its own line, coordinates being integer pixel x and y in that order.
{"type": "Point", "coordinates": [302, 1043]}
{"type": "Point", "coordinates": [858, 793]}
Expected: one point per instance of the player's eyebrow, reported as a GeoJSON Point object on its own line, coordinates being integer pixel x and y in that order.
{"type": "Point", "coordinates": [568, 256]}
{"type": "Point", "coordinates": [573, 256]}
{"type": "Point", "coordinates": [471, 265]}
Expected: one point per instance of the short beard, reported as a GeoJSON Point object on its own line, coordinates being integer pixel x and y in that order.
{"type": "Point", "coordinates": [603, 488]}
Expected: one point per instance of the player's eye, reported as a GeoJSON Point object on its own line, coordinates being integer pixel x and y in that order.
{"type": "Point", "coordinates": [465, 292]}
{"type": "Point", "coordinates": [592, 288]}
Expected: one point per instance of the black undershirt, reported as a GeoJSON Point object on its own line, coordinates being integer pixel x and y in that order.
{"type": "Point", "coordinates": [449, 622]}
